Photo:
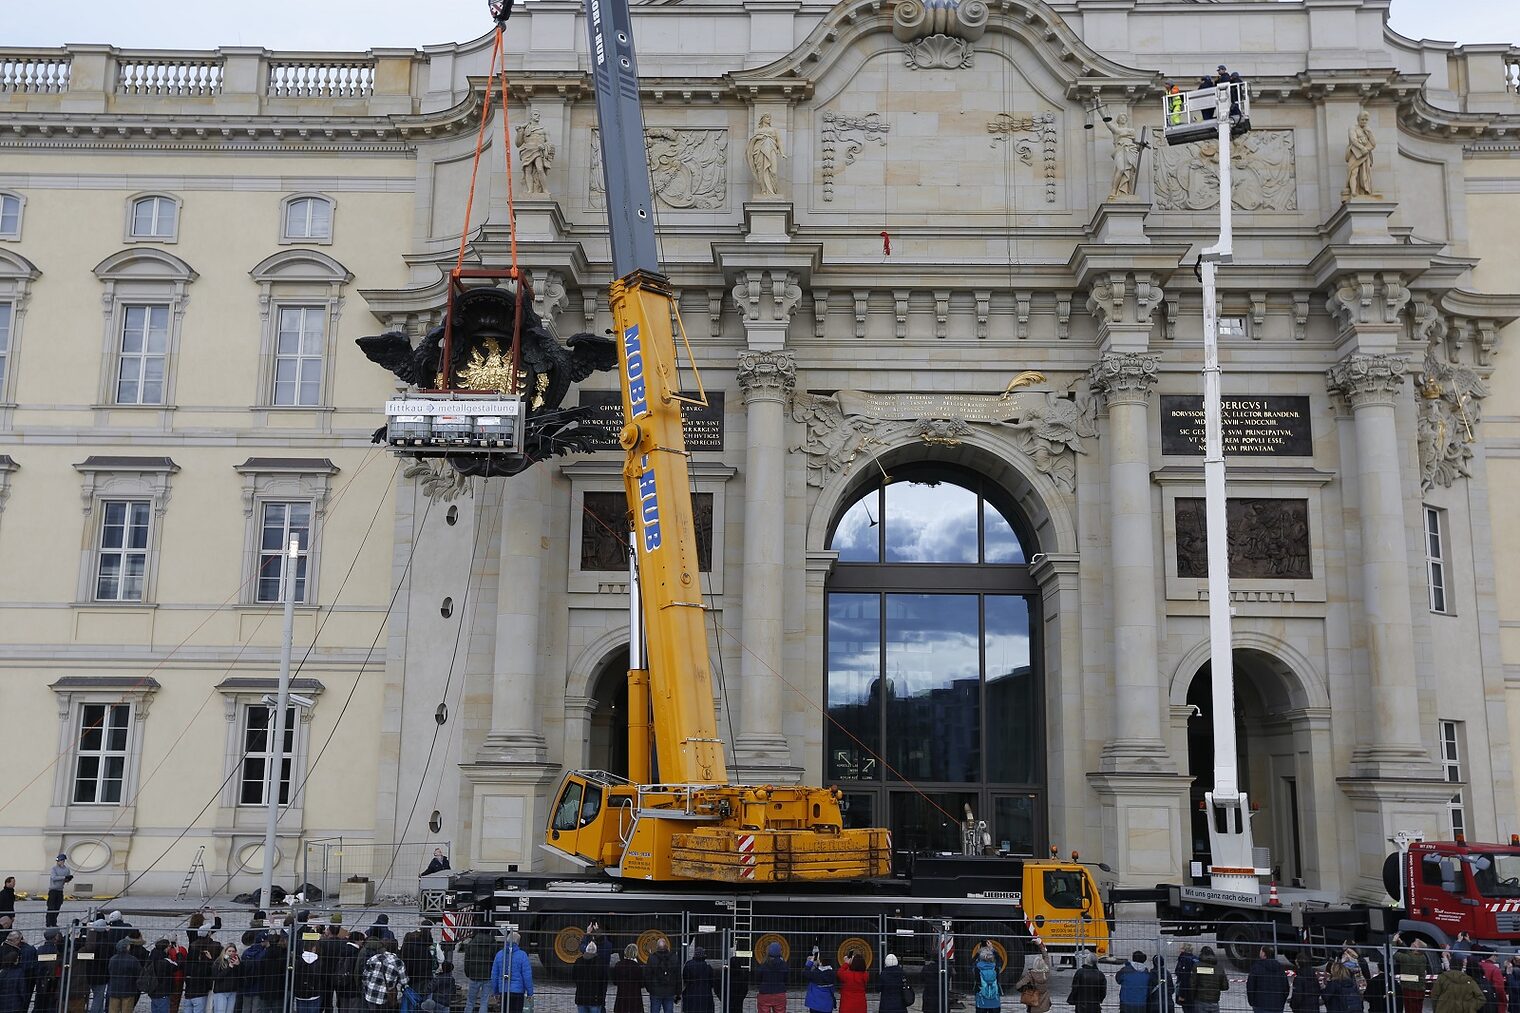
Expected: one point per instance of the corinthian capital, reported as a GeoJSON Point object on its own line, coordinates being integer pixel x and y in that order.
{"type": "Point", "coordinates": [1367, 379]}
{"type": "Point", "coordinates": [1123, 377]}
{"type": "Point", "coordinates": [766, 376]}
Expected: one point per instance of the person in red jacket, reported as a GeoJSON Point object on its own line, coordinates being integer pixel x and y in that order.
{"type": "Point", "coordinates": [852, 977]}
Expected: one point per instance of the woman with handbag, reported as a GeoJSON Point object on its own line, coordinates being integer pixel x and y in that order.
{"type": "Point", "coordinates": [896, 993]}
{"type": "Point", "coordinates": [1034, 987]}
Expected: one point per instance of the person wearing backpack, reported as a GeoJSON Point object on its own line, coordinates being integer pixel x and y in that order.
{"type": "Point", "coordinates": [158, 977]}
{"type": "Point", "coordinates": [1134, 981]}
{"type": "Point", "coordinates": [989, 994]}
{"type": "Point", "coordinates": [1187, 963]}
{"type": "Point", "coordinates": [1088, 986]}
{"type": "Point", "coordinates": [1208, 981]}
{"type": "Point", "coordinates": [479, 953]}
{"type": "Point", "coordinates": [662, 978]}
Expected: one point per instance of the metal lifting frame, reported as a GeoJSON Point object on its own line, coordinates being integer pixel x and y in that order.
{"type": "Point", "coordinates": [1233, 867]}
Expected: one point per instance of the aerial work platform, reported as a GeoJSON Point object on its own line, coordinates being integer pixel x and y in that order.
{"type": "Point", "coordinates": [1192, 116]}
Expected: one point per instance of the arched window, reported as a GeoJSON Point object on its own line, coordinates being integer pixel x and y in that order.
{"type": "Point", "coordinates": [153, 216]}
{"type": "Point", "coordinates": [932, 674]}
{"type": "Point", "coordinates": [306, 218]}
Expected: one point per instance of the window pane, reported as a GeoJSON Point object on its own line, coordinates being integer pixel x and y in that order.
{"type": "Point", "coordinates": [930, 523]}
{"type": "Point", "coordinates": [1013, 824]}
{"type": "Point", "coordinates": [856, 537]}
{"type": "Point", "coordinates": [142, 217]}
{"type": "Point", "coordinates": [933, 687]}
{"type": "Point", "coordinates": [1002, 545]}
{"type": "Point", "coordinates": [929, 824]}
{"type": "Point", "coordinates": [854, 687]}
{"type": "Point", "coordinates": [321, 220]}
{"type": "Point", "coordinates": [311, 370]}
{"type": "Point", "coordinates": [308, 392]}
{"type": "Point", "coordinates": [166, 213]}
{"type": "Point", "coordinates": [859, 809]}
{"type": "Point", "coordinates": [10, 215]}
{"type": "Point", "coordinates": [295, 219]}
{"type": "Point", "coordinates": [1012, 719]}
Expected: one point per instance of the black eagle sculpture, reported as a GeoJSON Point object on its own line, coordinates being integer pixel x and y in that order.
{"type": "Point", "coordinates": [481, 359]}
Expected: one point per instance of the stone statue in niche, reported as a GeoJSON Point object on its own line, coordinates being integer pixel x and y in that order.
{"type": "Point", "coordinates": [536, 155]}
{"type": "Point", "coordinates": [1262, 164]}
{"type": "Point", "coordinates": [1268, 539]}
{"type": "Point", "coordinates": [1360, 143]}
{"type": "Point", "coordinates": [765, 153]}
{"type": "Point", "coordinates": [1126, 157]}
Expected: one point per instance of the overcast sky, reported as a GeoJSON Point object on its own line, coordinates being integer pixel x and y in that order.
{"type": "Point", "coordinates": [361, 24]}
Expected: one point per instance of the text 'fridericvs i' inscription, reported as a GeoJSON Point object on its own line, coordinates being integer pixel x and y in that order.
{"type": "Point", "coordinates": [1274, 424]}
{"type": "Point", "coordinates": [703, 427]}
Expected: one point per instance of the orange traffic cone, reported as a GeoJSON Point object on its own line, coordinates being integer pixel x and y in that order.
{"type": "Point", "coordinates": [1272, 898]}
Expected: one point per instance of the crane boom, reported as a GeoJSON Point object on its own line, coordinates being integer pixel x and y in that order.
{"type": "Point", "coordinates": [692, 824]}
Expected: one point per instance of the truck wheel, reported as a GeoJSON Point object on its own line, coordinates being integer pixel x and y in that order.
{"type": "Point", "coordinates": [1239, 941]}
{"type": "Point", "coordinates": [857, 945]}
{"type": "Point", "coordinates": [565, 948]}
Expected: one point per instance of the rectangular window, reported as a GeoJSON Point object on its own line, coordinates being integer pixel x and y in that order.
{"type": "Point", "coordinates": [144, 355]}
{"type": "Point", "coordinates": [298, 356]}
{"type": "Point", "coordinates": [100, 763]}
{"type": "Point", "coordinates": [257, 733]}
{"type": "Point", "coordinates": [1232, 327]}
{"type": "Point", "coordinates": [5, 343]}
{"type": "Point", "coordinates": [1435, 559]}
{"type": "Point", "coordinates": [1451, 766]}
{"type": "Point", "coordinates": [122, 559]}
{"type": "Point", "coordinates": [281, 522]}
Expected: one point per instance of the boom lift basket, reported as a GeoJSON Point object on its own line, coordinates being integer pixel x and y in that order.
{"type": "Point", "coordinates": [1192, 116]}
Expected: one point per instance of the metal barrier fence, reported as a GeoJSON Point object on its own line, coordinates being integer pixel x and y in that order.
{"type": "Point", "coordinates": [937, 961]}
{"type": "Point", "coordinates": [329, 862]}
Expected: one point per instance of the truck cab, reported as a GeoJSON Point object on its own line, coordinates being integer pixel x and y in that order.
{"type": "Point", "coordinates": [1454, 886]}
{"type": "Point", "coordinates": [1058, 901]}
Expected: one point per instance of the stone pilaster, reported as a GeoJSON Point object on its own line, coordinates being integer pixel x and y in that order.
{"type": "Point", "coordinates": [1125, 381]}
{"type": "Point", "coordinates": [1371, 384]}
{"type": "Point", "coordinates": [766, 379]}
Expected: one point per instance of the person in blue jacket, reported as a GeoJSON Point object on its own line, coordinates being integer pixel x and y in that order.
{"type": "Point", "coordinates": [512, 973]}
{"type": "Point", "coordinates": [820, 979]}
{"type": "Point", "coordinates": [1134, 981]}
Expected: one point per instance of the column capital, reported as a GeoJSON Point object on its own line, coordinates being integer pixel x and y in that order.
{"type": "Point", "coordinates": [1367, 300]}
{"type": "Point", "coordinates": [766, 376]}
{"type": "Point", "coordinates": [1124, 377]}
{"type": "Point", "coordinates": [1365, 380]}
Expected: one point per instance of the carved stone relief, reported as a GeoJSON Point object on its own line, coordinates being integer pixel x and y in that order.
{"type": "Point", "coordinates": [688, 168]}
{"type": "Point", "coordinates": [1045, 426]}
{"type": "Point", "coordinates": [938, 34]}
{"type": "Point", "coordinates": [1041, 128]}
{"type": "Point", "coordinates": [440, 482]}
{"type": "Point", "coordinates": [1262, 165]}
{"type": "Point", "coordinates": [939, 52]}
{"type": "Point", "coordinates": [843, 137]}
{"type": "Point", "coordinates": [1268, 539]}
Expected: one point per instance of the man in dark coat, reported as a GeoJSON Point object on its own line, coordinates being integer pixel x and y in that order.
{"type": "Point", "coordinates": [590, 977]}
{"type": "Point", "coordinates": [662, 978]}
{"type": "Point", "coordinates": [1089, 987]}
{"type": "Point", "coordinates": [699, 986]}
{"type": "Point", "coordinates": [1267, 984]}
{"type": "Point", "coordinates": [124, 971]}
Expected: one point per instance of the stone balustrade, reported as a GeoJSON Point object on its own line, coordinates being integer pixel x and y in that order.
{"type": "Point", "coordinates": [169, 74]}
{"type": "Point", "coordinates": [45, 73]}
{"type": "Point", "coordinates": [1512, 72]}
{"type": "Point", "coordinates": [321, 78]}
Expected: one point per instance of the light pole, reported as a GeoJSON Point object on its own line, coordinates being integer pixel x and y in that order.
{"type": "Point", "coordinates": [277, 743]}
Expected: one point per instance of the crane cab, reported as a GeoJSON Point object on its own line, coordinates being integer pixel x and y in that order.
{"type": "Point", "coordinates": [1192, 116]}
{"type": "Point", "coordinates": [591, 818]}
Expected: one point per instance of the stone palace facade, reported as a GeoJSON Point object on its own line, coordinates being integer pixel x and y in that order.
{"type": "Point", "coordinates": [936, 267]}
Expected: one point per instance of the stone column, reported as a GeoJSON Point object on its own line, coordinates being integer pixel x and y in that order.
{"type": "Point", "coordinates": [765, 378]}
{"type": "Point", "coordinates": [516, 735]}
{"type": "Point", "coordinates": [1370, 384]}
{"type": "Point", "coordinates": [1124, 380]}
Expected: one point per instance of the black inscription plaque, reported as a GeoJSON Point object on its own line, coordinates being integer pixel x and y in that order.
{"type": "Point", "coordinates": [1268, 538]}
{"type": "Point", "coordinates": [703, 426]}
{"type": "Point", "coordinates": [604, 531]}
{"type": "Point", "coordinates": [1273, 424]}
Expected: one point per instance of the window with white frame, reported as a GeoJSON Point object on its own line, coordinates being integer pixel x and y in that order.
{"type": "Point", "coordinates": [154, 216]}
{"type": "Point", "coordinates": [6, 311]}
{"type": "Point", "coordinates": [258, 756]}
{"type": "Point", "coordinates": [307, 219]}
{"type": "Point", "coordinates": [1435, 558]}
{"type": "Point", "coordinates": [10, 215]}
{"type": "Point", "coordinates": [100, 758]}
{"type": "Point", "coordinates": [121, 558]}
{"type": "Point", "coordinates": [282, 522]}
{"type": "Point", "coordinates": [299, 342]}
{"type": "Point", "coordinates": [1232, 327]}
{"type": "Point", "coordinates": [142, 361]}
{"type": "Point", "coordinates": [1451, 764]}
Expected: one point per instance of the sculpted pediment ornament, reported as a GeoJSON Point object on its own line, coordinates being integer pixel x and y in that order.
{"type": "Point", "coordinates": [1047, 427]}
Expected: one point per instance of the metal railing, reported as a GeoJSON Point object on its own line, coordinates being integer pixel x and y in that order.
{"type": "Point", "coordinates": [329, 862]}
{"type": "Point", "coordinates": [169, 75]}
{"type": "Point", "coordinates": [35, 75]}
{"type": "Point", "coordinates": [322, 78]}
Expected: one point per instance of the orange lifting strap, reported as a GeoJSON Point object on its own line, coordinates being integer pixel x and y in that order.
{"type": "Point", "coordinates": [497, 77]}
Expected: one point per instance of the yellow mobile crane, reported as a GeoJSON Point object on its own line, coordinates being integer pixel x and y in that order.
{"type": "Point", "coordinates": [693, 824]}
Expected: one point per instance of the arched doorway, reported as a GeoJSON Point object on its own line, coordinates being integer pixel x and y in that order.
{"type": "Point", "coordinates": [607, 748]}
{"type": "Point", "coordinates": [932, 671]}
{"type": "Point", "coordinates": [1272, 735]}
